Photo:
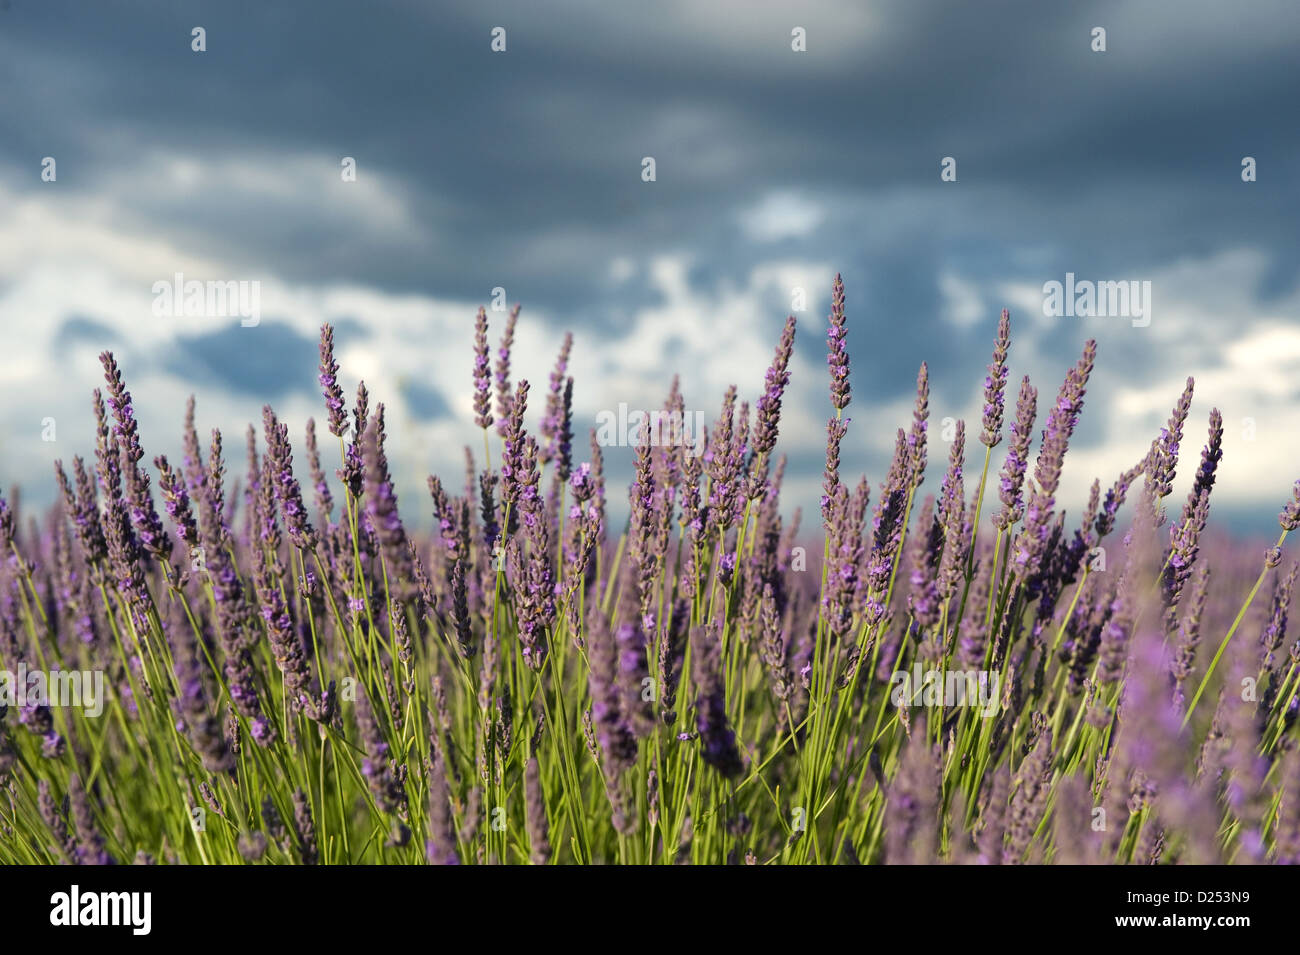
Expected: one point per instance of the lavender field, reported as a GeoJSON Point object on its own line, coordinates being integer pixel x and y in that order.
{"type": "Point", "coordinates": [974, 673]}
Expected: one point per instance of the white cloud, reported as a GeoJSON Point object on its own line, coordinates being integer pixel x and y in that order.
{"type": "Point", "coordinates": [1206, 324]}
{"type": "Point", "coordinates": [62, 257]}
{"type": "Point", "coordinates": [781, 215]}
{"type": "Point", "coordinates": [963, 306]}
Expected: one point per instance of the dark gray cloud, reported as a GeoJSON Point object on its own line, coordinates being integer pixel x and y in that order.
{"type": "Point", "coordinates": [522, 169]}
{"type": "Point", "coordinates": [424, 401]}
{"type": "Point", "coordinates": [79, 329]}
{"type": "Point", "coordinates": [275, 362]}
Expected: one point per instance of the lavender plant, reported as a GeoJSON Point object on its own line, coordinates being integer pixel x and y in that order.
{"type": "Point", "coordinates": [527, 684]}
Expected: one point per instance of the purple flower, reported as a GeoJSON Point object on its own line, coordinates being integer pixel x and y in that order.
{"type": "Point", "coordinates": [232, 610]}
{"type": "Point", "coordinates": [646, 505]}
{"type": "Point", "coordinates": [482, 372]}
{"type": "Point", "coordinates": [553, 422]}
{"type": "Point", "coordinates": [923, 602]}
{"type": "Point", "coordinates": [951, 514]}
{"type": "Point", "coordinates": [460, 608]}
{"type": "Point", "coordinates": [772, 651]}
{"type": "Point", "coordinates": [377, 766]}
{"type": "Point", "coordinates": [1031, 544]}
{"type": "Point", "coordinates": [1164, 451]}
{"type": "Point", "coordinates": [90, 844]}
{"type": "Point", "coordinates": [82, 505]}
{"type": "Point", "coordinates": [916, 437]}
{"type": "Point", "coordinates": [1029, 798]}
{"type": "Point", "coordinates": [1188, 635]}
{"type": "Point", "coordinates": [503, 373]}
{"type": "Point", "coordinates": [488, 509]}
{"type": "Point", "coordinates": [768, 410]}
{"type": "Point", "coordinates": [583, 487]}
{"type": "Point", "coordinates": [718, 740]}
{"type": "Point", "coordinates": [973, 643]}
{"type": "Point", "coordinates": [125, 556]}
{"type": "Point", "coordinates": [886, 535]}
{"type": "Point", "coordinates": [564, 437]}
{"type": "Point", "coordinates": [381, 507]}
{"type": "Point", "coordinates": [518, 464]}
{"type": "Point", "coordinates": [1115, 500]}
{"type": "Point", "coordinates": [1290, 516]}
{"type": "Point", "coordinates": [836, 428]}
{"type": "Point", "coordinates": [286, 647]}
{"type": "Point", "coordinates": [193, 708]}
{"type": "Point", "coordinates": [329, 383]}
{"type": "Point", "coordinates": [613, 727]}
{"type": "Point", "coordinates": [535, 584]}
{"type": "Point", "coordinates": [1011, 487]}
{"type": "Point", "coordinates": [848, 514]}
{"type": "Point", "coordinates": [279, 460]}
{"type": "Point", "coordinates": [1274, 633]}
{"type": "Point", "coordinates": [837, 355]}
{"type": "Point", "coordinates": [193, 456]}
{"type": "Point", "coordinates": [912, 803]}
{"type": "Point", "coordinates": [139, 502]}
{"type": "Point", "coordinates": [723, 458]}
{"type": "Point", "coordinates": [324, 499]}
{"type": "Point", "coordinates": [177, 501]}
{"type": "Point", "coordinates": [352, 474]}
{"type": "Point", "coordinates": [995, 385]}
{"type": "Point", "coordinates": [304, 828]}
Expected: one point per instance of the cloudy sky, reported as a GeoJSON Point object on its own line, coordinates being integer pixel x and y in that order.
{"type": "Point", "coordinates": [774, 170]}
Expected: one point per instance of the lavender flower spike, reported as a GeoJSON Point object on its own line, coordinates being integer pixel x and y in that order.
{"type": "Point", "coordinates": [995, 385]}
{"type": "Point", "coordinates": [613, 728]}
{"type": "Point", "coordinates": [482, 372]}
{"type": "Point", "coordinates": [837, 355]}
{"type": "Point", "coordinates": [1289, 519]}
{"type": "Point", "coordinates": [912, 804]}
{"type": "Point", "coordinates": [916, 437]}
{"type": "Point", "coordinates": [503, 372]}
{"type": "Point", "coordinates": [381, 505]}
{"type": "Point", "coordinates": [1211, 455]}
{"type": "Point", "coordinates": [1164, 451]}
{"type": "Point", "coordinates": [1031, 544]}
{"type": "Point", "coordinates": [716, 735]}
{"type": "Point", "coordinates": [1011, 489]}
{"type": "Point", "coordinates": [287, 648]}
{"type": "Point", "coordinates": [514, 466]}
{"type": "Point", "coordinates": [377, 765]}
{"type": "Point", "coordinates": [836, 428]}
{"type": "Point", "coordinates": [324, 499]}
{"type": "Point", "coordinates": [193, 711]}
{"type": "Point", "coordinates": [144, 516]}
{"type": "Point", "coordinates": [90, 844]}
{"type": "Point", "coordinates": [769, 405]}
{"type": "Point", "coordinates": [177, 501]}
{"type": "Point", "coordinates": [553, 418]}
{"type": "Point", "coordinates": [279, 455]}
{"type": "Point", "coordinates": [329, 383]}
